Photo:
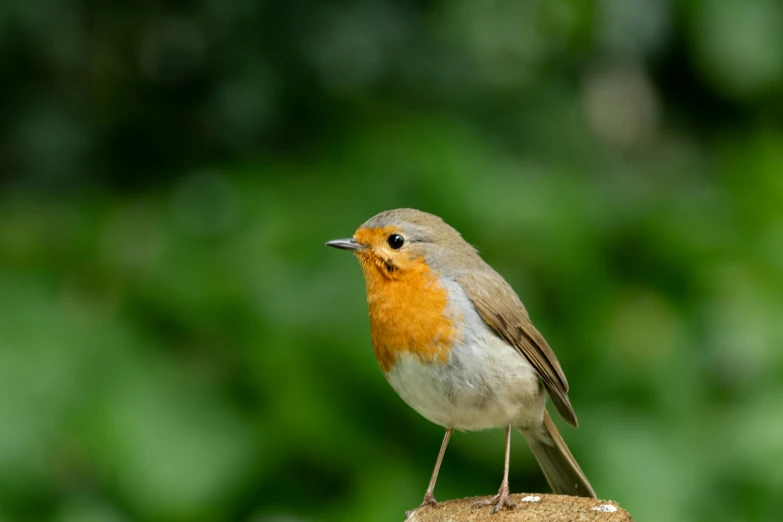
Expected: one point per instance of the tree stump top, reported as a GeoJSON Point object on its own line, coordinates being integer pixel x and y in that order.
{"type": "Point", "coordinates": [530, 507]}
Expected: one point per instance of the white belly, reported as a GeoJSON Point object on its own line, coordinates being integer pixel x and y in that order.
{"type": "Point", "coordinates": [485, 383]}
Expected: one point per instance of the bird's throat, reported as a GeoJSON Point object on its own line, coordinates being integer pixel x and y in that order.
{"type": "Point", "coordinates": [408, 313]}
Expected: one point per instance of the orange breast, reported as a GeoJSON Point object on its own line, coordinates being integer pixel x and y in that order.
{"type": "Point", "coordinates": [408, 314]}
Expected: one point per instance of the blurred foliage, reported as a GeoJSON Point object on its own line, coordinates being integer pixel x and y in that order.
{"type": "Point", "coordinates": [176, 344]}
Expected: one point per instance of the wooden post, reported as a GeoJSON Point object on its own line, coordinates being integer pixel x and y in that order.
{"type": "Point", "coordinates": [530, 507]}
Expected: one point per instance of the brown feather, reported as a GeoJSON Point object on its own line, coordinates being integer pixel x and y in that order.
{"type": "Point", "coordinates": [500, 307]}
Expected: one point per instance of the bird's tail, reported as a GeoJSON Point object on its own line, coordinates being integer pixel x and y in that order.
{"type": "Point", "coordinates": [559, 466]}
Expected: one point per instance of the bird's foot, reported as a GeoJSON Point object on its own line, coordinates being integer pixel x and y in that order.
{"type": "Point", "coordinates": [499, 501]}
{"type": "Point", "coordinates": [429, 500]}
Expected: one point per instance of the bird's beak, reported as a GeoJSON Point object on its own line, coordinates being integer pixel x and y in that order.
{"type": "Point", "coordinates": [346, 244]}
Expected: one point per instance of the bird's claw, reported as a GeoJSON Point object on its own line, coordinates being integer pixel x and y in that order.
{"type": "Point", "coordinates": [429, 500]}
{"type": "Point", "coordinates": [498, 502]}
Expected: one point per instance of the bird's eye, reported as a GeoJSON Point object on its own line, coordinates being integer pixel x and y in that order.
{"type": "Point", "coordinates": [396, 241]}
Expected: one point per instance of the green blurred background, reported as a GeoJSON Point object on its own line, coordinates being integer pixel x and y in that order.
{"type": "Point", "coordinates": [177, 344]}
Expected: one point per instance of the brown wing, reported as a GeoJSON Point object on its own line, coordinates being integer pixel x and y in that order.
{"type": "Point", "coordinates": [499, 306]}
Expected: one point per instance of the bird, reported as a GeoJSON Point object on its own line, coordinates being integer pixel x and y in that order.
{"type": "Point", "coordinates": [455, 342]}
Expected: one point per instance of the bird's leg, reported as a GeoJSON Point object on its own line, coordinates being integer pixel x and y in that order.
{"type": "Point", "coordinates": [501, 500]}
{"type": "Point", "coordinates": [429, 497]}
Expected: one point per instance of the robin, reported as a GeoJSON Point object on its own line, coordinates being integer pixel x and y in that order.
{"type": "Point", "coordinates": [457, 345]}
